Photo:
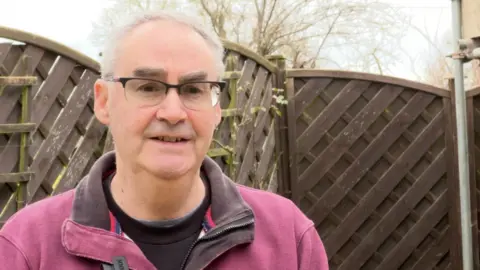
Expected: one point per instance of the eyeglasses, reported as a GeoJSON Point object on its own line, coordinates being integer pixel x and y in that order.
{"type": "Point", "coordinates": [197, 95]}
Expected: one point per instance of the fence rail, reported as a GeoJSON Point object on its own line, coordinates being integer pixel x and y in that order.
{"type": "Point", "coordinates": [370, 159]}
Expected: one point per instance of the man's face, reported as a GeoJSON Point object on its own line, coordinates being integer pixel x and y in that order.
{"type": "Point", "coordinates": [171, 53]}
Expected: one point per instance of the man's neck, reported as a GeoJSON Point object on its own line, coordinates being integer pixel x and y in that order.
{"type": "Point", "coordinates": [145, 197]}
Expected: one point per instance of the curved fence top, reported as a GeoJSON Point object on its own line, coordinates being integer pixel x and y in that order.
{"type": "Point", "coordinates": [45, 43]}
{"type": "Point", "coordinates": [250, 54]}
{"type": "Point", "coordinates": [473, 92]}
{"type": "Point", "coordinates": [298, 73]}
{"type": "Point", "coordinates": [48, 44]}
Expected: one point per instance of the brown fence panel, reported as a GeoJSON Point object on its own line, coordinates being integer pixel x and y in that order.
{"type": "Point", "coordinates": [245, 141]}
{"type": "Point", "coordinates": [369, 163]}
{"type": "Point", "coordinates": [473, 117]}
{"type": "Point", "coordinates": [66, 137]}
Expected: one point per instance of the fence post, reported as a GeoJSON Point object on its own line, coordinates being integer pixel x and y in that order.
{"type": "Point", "coordinates": [25, 117]}
{"type": "Point", "coordinates": [230, 68]}
{"type": "Point", "coordinates": [23, 128]}
{"type": "Point", "coordinates": [281, 136]}
{"type": "Point", "coordinates": [453, 179]}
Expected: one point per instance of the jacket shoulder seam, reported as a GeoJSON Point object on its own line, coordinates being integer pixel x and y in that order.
{"type": "Point", "coordinates": [15, 245]}
{"type": "Point", "coordinates": [302, 235]}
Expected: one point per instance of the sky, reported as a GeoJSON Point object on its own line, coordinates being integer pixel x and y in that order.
{"type": "Point", "coordinates": [69, 22]}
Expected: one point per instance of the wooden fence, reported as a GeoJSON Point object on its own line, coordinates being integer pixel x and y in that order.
{"type": "Point", "coordinates": [374, 163]}
{"type": "Point", "coordinates": [370, 159]}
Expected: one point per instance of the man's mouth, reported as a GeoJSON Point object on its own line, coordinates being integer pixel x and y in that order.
{"type": "Point", "coordinates": [169, 139]}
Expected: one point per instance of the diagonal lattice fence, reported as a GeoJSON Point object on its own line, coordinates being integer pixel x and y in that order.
{"type": "Point", "coordinates": [371, 159]}
{"type": "Point", "coordinates": [244, 143]}
{"type": "Point", "coordinates": [62, 140]}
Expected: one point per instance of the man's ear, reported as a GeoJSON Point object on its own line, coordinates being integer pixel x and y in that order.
{"type": "Point", "coordinates": [101, 101]}
{"type": "Point", "coordinates": [218, 115]}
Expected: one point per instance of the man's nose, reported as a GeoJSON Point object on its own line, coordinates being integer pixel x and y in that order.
{"type": "Point", "coordinates": [171, 109]}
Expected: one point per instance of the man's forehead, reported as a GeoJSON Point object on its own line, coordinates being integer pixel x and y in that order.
{"type": "Point", "coordinates": [173, 54]}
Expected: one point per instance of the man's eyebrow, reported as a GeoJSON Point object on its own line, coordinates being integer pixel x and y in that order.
{"type": "Point", "coordinates": [149, 72]}
{"type": "Point", "coordinates": [193, 76]}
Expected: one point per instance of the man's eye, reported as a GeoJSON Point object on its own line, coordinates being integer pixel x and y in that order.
{"type": "Point", "coordinates": [149, 88]}
{"type": "Point", "coordinates": [192, 89]}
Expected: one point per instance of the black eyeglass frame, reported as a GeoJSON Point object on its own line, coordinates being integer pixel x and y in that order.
{"type": "Point", "coordinates": [124, 80]}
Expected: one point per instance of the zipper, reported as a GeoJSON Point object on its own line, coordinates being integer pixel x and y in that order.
{"type": "Point", "coordinates": [214, 235]}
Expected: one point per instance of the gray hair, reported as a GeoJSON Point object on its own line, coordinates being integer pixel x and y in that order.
{"type": "Point", "coordinates": [107, 61]}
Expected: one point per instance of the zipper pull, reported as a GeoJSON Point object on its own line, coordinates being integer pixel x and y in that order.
{"type": "Point", "coordinates": [120, 263]}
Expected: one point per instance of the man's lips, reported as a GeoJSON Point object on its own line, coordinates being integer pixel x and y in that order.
{"type": "Point", "coordinates": [170, 139]}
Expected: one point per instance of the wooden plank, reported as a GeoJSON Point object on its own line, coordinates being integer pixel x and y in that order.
{"type": "Point", "coordinates": [231, 112]}
{"type": "Point", "coordinates": [246, 165]}
{"type": "Point", "coordinates": [4, 50]}
{"type": "Point", "coordinates": [51, 87]}
{"type": "Point", "coordinates": [267, 154]}
{"type": "Point", "coordinates": [10, 154]}
{"type": "Point", "coordinates": [18, 80]}
{"type": "Point", "coordinates": [330, 115]}
{"type": "Point", "coordinates": [247, 53]}
{"type": "Point", "coordinates": [261, 80]}
{"type": "Point", "coordinates": [54, 173]}
{"type": "Point", "coordinates": [48, 59]}
{"type": "Point", "coordinates": [81, 156]}
{"type": "Point", "coordinates": [380, 145]}
{"type": "Point", "coordinates": [387, 182]}
{"type": "Point", "coordinates": [23, 160]}
{"type": "Point", "coordinates": [473, 183]}
{"type": "Point", "coordinates": [15, 177]}
{"type": "Point", "coordinates": [263, 114]}
{"type": "Point", "coordinates": [349, 135]}
{"type": "Point", "coordinates": [374, 78]}
{"type": "Point", "coordinates": [280, 179]}
{"type": "Point", "coordinates": [436, 251]}
{"type": "Point", "coordinates": [16, 128]}
{"type": "Point", "coordinates": [415, 235]}
{"type": "Point", "coordinates": [452, 178]}
{"type": "Point", "coordinates": [395, 215]}
{"type": "Point", "coordinates": [76, 74]}
{"type": "Point", "coordinates": [244, 82]}
{"type": "Point", "coordinates": [59, 132]}
{"type": "Point", "coordinates": [11, 59]}
{"type": "Point", "coordinates": [217, 152]}
{"type": "Point", "coordinates": [311, 90]}
{"type": "Point", "coordinates": [291, 138]}
{"type": "Point", "coordinates": [7, 202]}
{"type": "Point", "coordinates": [247, 122]}
{"type": "Point", "coordinates": [8, 102]}
{"type": "Point", "coordinates": [229, 75]}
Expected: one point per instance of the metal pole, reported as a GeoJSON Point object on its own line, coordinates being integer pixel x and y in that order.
{"type": "Point", "coordinates": [462, 141]}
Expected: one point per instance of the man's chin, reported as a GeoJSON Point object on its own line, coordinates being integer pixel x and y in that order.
{"type": "Point", "coordinates": [169, 168]}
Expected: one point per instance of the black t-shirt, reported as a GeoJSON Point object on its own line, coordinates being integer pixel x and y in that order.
{"type": "Point", "coordinates": [164, 243]}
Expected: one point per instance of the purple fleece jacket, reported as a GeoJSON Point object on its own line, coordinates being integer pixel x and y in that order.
{"type": "Point", "coordinates": [45, 235]}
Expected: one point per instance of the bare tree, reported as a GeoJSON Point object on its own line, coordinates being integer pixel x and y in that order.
{"type": "Point", "coordinates": [345, 34]}
{"type": "Point", "coordinates": [311, 33]}
{"type": "Point", "coordinates": [430, 65]}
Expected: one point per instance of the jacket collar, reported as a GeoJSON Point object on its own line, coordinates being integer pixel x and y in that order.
{"type": "Point", "coordinates": [90, 213]}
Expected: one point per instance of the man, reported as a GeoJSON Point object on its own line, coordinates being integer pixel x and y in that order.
{"type": "Point", "coordinates": [157, 201]}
